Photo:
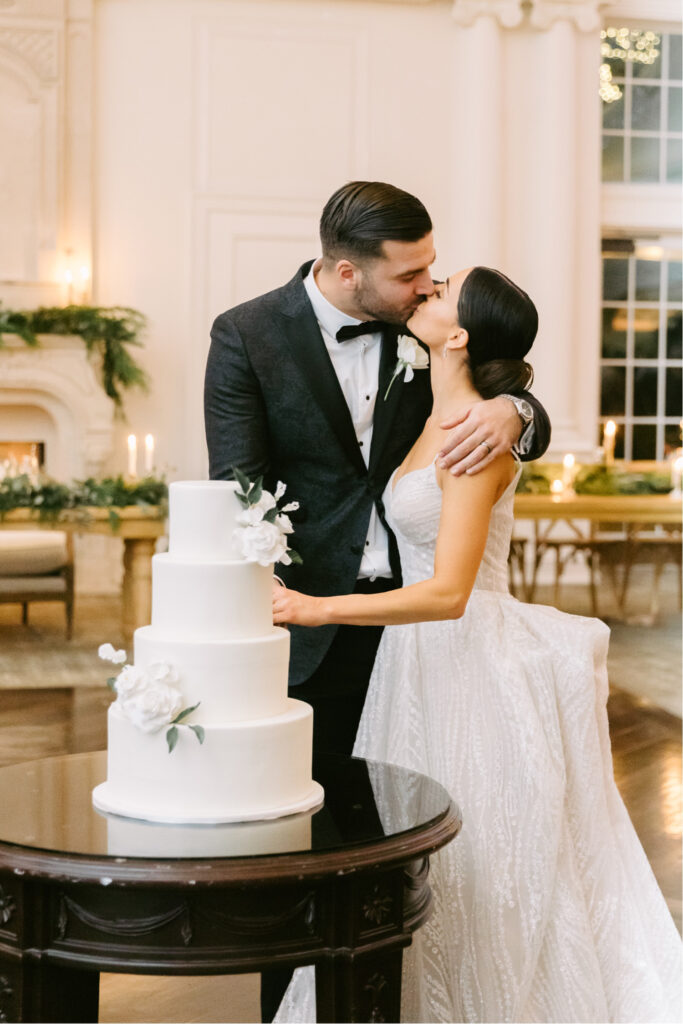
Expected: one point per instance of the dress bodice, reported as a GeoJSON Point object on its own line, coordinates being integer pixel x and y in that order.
{"type": "Point", "coordinates": [413, 510]}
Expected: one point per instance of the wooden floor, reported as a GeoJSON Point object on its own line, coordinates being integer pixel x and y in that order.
{"type": "Point", "coordinates": [646, 742]}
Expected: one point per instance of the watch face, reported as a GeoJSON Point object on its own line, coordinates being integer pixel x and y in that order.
{"type": "Point", "coordinates": [525, 410]}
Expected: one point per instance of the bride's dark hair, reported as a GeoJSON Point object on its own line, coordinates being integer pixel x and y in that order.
{"type": "Point", "coordinates": [501, 321]}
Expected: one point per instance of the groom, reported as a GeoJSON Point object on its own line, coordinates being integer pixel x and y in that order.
{"type": "Point", "coordinates": [297, 389]}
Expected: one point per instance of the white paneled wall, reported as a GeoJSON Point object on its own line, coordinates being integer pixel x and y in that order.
{"type": "Point", "coordinates": [198, 163]}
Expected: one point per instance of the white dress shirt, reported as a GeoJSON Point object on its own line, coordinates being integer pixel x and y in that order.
{"type": "Point", "coordinates": [356, 364]}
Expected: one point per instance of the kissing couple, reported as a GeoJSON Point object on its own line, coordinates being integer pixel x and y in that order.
{"type": "Point", "coordinates": [404, 637]}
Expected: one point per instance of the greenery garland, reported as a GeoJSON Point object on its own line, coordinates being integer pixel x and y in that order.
{"type": "Point", "coordinates": [105, 330]}
{"type": "Point", "coordinates": [51, 500]}
{"type": "Point", "coordinates": [536, 479]}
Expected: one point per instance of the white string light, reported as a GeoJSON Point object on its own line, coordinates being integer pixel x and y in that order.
{"type": "Point", "coordinates": [627, 44]}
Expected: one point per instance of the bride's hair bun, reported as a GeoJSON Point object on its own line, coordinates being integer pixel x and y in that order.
{"type": "Point", "coordinates": [502, 377]}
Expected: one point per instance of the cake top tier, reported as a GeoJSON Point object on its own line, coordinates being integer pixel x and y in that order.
{"type": "Point", "coordinates": [202, 516]}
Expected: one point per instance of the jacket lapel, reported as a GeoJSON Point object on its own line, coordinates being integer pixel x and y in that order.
{"type": "Point", "coordinates": [308, 351]}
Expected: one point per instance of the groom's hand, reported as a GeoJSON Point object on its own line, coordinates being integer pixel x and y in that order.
{"type": "Point", "coordinates": [478, 435]}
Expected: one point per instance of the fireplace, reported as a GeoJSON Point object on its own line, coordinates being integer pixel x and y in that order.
{"type": "Point", "coordinates": [51, 398]}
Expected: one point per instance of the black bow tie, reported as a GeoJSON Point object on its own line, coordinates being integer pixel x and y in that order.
{"type": "Point", "coordinates": [367, 327]}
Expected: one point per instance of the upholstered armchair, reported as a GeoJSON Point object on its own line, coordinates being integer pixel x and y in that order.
{"type": "Point", "coordinates": [37, 565]}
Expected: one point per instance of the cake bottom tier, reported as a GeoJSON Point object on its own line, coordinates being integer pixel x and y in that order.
{"type": "Point", "coordinates": [244, 771]}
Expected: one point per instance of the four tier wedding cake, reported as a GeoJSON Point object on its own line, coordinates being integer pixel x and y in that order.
{"type": "Point", "coordinates": [202, 730]}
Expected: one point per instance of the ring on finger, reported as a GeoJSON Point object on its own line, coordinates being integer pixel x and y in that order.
{"type": "Point", "coordinates": [484, 444]}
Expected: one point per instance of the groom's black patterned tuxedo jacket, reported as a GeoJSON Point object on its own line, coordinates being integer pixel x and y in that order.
{"type": "Point", "coordinates": [273, 405]}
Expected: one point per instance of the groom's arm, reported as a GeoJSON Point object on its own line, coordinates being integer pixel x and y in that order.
{"type": "Point", "coordinates": [487, 429]}
{"type": "Point", "coordinates": [234, 410]}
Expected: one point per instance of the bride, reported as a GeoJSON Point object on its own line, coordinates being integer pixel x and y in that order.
{"type": "Point", "coordinates": [545, 907]}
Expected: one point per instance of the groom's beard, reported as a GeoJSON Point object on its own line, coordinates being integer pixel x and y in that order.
{"type": "Point", "coordinates": [371, 303]}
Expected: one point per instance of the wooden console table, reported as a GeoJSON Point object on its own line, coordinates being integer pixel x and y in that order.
{"type": "Point", "coordinates": [638, 513]}
{"type": "Point", "coordinates": [343, 888]}
{"type": "Point", "coordinates": [139, 532]}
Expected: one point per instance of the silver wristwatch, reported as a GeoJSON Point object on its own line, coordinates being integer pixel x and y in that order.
{"type": "Point", "coordinates": [524, 410]}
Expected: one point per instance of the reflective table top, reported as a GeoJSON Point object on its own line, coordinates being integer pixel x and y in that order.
{"type": "Point", "coordinates": [47, 805]}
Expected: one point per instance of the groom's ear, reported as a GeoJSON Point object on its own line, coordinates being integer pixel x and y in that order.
{"type": "Point", "coordinates": [347, 273]}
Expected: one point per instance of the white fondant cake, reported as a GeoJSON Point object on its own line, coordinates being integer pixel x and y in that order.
{"type": "Point", "coordinates": [245, 752]}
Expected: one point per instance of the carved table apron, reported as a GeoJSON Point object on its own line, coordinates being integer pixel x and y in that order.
{"type": "Point", "coordinates": [348, 904]}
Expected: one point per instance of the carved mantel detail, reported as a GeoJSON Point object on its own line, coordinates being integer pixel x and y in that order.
{"type": "Point", "coordinates": [36, 47]}
{"type": "Point", "coordinates": [508, 13]}
{"type": "Point", "coordinates": [585, 15]}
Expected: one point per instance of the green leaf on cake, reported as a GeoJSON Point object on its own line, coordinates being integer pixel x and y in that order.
{"type": "Point", "coordinates": [185, 712]}
{"type": "Point", "coordinates": [271, 515]}
{"type": "Point", "coordinates": [111, 682]}
{"type": "Point", "coordinates": [172, 738]}
{"type": "Point", "coordinates": [198, 731]}
{"type": "Point", "coordinates": [256, 491]}
{"type": "Point", "coordinates": [241, 479]}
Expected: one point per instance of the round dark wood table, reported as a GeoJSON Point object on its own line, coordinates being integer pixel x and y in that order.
{"type": "Point", "coordinates": [342, 887]}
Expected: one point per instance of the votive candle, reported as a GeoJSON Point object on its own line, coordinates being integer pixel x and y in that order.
{"type": "Point", "coordinates": [608, 437]}
{"type": "Point", "coordinates": [132, 455]}
{"type": "Point", "coordinates": [149, 453]}
{"type": "Point", "coordinates": [557, 487]}
{"type": "Point", "coordinates": [568, 471]}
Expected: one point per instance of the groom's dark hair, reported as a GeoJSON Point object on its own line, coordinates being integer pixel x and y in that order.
{"type": "Point", "coordinates": [361, 215]}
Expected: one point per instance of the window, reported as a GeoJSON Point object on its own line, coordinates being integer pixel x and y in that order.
{"type": "Point", "coordinates": [641, 349]}
{"type": "Point", "coordinates": [642, 128]}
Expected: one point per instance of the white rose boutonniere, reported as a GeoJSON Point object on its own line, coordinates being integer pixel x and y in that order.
{"type": "Point", "coordinates": [263, 525]}
{"type": "Point", "coordinates": [411, 357]}
{"type": "Point", "coordinates": [149, 699]}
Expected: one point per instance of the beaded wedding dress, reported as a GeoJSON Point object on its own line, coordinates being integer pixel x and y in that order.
{"type": "Point", "coordinates": [545, 906]}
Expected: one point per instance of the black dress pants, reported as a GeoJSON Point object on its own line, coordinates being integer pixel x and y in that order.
{"type": "Point", "coordinates": [336, 691]}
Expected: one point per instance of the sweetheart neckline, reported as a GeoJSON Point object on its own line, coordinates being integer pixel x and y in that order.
{"type": "Point", "coordinates": [432, 465]}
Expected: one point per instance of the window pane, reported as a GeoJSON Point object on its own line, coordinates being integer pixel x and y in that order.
{"type": "Point", "coordinates": [674, 57]}
{"type": "Point", "coordinates": [613, 114]}
{"type": "Point", "coordinates": [644, 159]}
{"type": "Point", "coordinates": [674, 382]}
{"type": "Point", "coordinates": [617, 66]}
{"type": "Point", "coordinates": [675, 291]}
{"type": "Point", "coordinates": [646, 333]}
{"type": "Point", "coordinates": [675, 116]}
{"type": "Point", "coordinates": [612, 158]}
{"type": "Point", "coordinates": [613, 391]}
{"type": "Point", "coordinates": [614, 323]}
{"type": "Point", "coordinates": [653, 70]}
{"type": "Point", "coordinates": [645, 104]}
{"type": "Point", "coordinates": [615, 280]}
{"type": "Point", "coordinates": [672, 437]}
{"type": "Point", "coordinates": [674, 341]}
{"type": "Point", "coordinates": [644, 441]}
{"type": "Point", "coordinates": [644, 391]}
{"type": "Point", "coordinates": [647, 280]}
{"type": "Point", "coordinates": [673, 160]}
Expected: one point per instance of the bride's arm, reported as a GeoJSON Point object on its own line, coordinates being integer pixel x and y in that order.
{"type": "Point", "coordinates": [463, 528]}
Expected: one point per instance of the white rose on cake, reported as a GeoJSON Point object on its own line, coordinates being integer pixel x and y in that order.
{"type": "Point", "coordinates": [129, 680]}
{"type": "Point", "coordinates": [162, 672]}
{"type": "Point", "coordinates": [263, 543]}
{"type": "Point", "coordinates": [263, 524]}
{"type": "Point", "coordinates": [152, 706]}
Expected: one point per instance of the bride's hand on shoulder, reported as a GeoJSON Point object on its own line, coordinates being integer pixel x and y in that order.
{"type": "Point", "coordinates": [291, 607]}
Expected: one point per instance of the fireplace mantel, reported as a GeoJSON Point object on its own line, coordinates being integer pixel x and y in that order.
{"type": "Point", "coordinates": [57, 378]}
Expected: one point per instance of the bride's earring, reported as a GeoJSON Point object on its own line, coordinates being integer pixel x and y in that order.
{"type": "Point", "coordinates": [444, 354]}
